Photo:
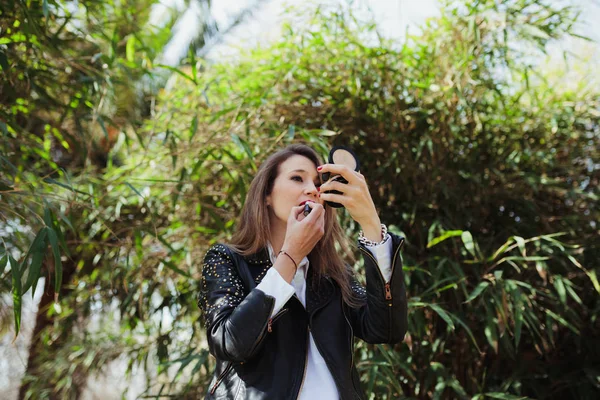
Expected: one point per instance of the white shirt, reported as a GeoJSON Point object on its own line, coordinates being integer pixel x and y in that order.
{"type": "Point", "coordinates": [318, 381]}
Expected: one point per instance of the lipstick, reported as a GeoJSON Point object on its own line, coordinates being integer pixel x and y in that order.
{"type": "Point", "coordinates": [307, 209]}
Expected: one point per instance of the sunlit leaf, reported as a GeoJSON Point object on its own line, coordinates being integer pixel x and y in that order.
{"type": "Point", "coordinates": [444, 236]}
{"type": "Point", "coordinates": [467, 239]}
{"type": "Point", "coordinates": [504, 396]}
{"type": "Point", "coordinates": [477, 291]}
{"type": "Point", "coordinates": [560, 289]}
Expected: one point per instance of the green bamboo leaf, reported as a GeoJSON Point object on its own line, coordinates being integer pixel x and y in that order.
{"type": "Point", "coordinates": [573, 294]}
{"type": "Point", "coordinates": [590, 274]}
{"type": "Point", "coordinates": [36, 251]}
{"type": "Point", "coordinates": [322, 132]}
{"type": "Point", "coordinates": [48, 216]}
{"type": "Point", "coordinates": [217, 115]}
{"type": "Point", "coordinates": [534, 31]}
{"type": "Point", "coordinates": [103, 126]}
{"type": "Point", "coordinates": [35, 271]}
{"type": "Point", "coordinates": [193, 128]}
{"type": "Point", "coordinates": [431, 231]}
{"type": "Point", "coordinates": [442, 313]}
{"type": "Point", "coordinates": [521, 243]}
{"type": "Point", "coordinates": [130, 48]}
{"type": "Point", "coordinates": [490, 330]}
{"type": "Point", "coordinates": [500, 250]}
{"type": "Point", "coordinates": [372, 376]}
{"type": "Point", "coordinates": [504, 396]}
{"type": "Point", "coordinates": [444, 236]}
{"type": "Point", "coordinates": [63, 185]}
{"type": "Point", "coordinates": [173, 267]}
{"type": "Point", "coordinates": [562, 321]}
{"type": "Point", "coordinates": [560, 289]}
{"type": "Point", "coordinates": [478, 290]}
{"type": "Point", "coordinates": [177, 192]}
{"type": "Point", "coordinates": [45, 8]}
{"type": "Point", "coordinates": [17, 292]}
{"type": "Point", "coordinates": [517, 314]}
{"type": "Point", "coordinates": [467, 239]}
{"type": "Point", "coordinates": [177, 71]}
{"type": "Point", "coordinates": [139, 248]}
{"type": "Point", "coordinates": [52, 223]}
{"type": "Point", "coordinates": [291, 132]}
{"type": "Point", "coordinates": [194, 65]}
{"type": "Point", "coordinates": [134, 189]}
{"type": "Point", "coordinates": [4, 61]}
{"type": "Point", "coordinates": [3, 262]}
{"type": "Point", "coordinates": [58, 270]}
{"type": "Point", "coordinates": [245, 147]}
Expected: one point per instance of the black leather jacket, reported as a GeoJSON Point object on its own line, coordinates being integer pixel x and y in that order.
{"type": "Point", "coordinates": [259, 357]}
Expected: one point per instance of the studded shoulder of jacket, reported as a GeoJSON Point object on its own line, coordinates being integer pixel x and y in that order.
{"type": "Point", "coordinates": [220, 287]}
{"type": "Point", "coordinates": [358, 290]}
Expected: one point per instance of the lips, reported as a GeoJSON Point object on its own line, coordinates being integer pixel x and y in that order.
{"type": "Point", "coordinates": [306, 201]}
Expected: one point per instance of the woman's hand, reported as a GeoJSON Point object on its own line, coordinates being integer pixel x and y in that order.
{"type": "Point", "coordinates": [302, 232]}
{"type": "Point", "coordinates": [355, 197]}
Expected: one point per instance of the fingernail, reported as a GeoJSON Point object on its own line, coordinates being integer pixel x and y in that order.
{"type": "Point", "coordinates": [319, 168]}
{"type": "Point", "coordinates": [318, 189]}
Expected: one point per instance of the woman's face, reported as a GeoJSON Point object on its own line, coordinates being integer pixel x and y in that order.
{"type": "Point", "coordinates": [296, 183]}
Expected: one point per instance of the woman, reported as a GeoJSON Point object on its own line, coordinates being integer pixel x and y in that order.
{"type": "Point", "coordinates": [281, 307]}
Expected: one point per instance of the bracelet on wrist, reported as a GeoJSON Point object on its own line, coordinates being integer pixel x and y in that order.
{"type": "Point", "coordinates": [290, 257]}
{"type": "Point", "coordinates": [366, 242]}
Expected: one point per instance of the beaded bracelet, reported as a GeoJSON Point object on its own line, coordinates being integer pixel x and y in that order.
{"type": "Point", "coordinates": [295, 265]}
{"type": "Point", "coordinates": [366, 242]}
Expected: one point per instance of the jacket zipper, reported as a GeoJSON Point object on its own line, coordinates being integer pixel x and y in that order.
{"type": "Point", "coordinates": [305, 361]}
{"type": "Point", "coordinates": [274, 318]}
{"type": "Point", "coordinates": [263, 333]}
{"type": "Point", "coordinates": [351, 336]}
{"type": "Point", "coordinates": [220, 378]}
{"type": "Point", "coordinates": [388, 289]}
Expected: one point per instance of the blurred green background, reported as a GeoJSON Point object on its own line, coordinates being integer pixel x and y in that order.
{"type": "Point", "coordinates": [126, 151]}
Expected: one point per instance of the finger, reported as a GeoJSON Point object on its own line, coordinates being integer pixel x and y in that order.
{"type": "Point", "coordinates": [336, 198]}
{"type": "Point", "coordinates": [335, 185]}
{"type": "Point", "coordinates": [295, 211]}
{"type": "Point", "coordinates": [317, 210]}
{"type": "Point", "coordinates": [337, 169]}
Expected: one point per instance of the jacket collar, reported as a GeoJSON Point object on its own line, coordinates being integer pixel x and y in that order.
{"type": "Point", "coordinates": [260, 257]}
{"type": "Point", "coordinates": [314, 300]}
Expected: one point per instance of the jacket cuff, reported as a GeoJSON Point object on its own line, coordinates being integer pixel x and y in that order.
{"type": "Point", "coordinates": [383, 255]}
{"type": "Point", "coordinates": [275, 286]}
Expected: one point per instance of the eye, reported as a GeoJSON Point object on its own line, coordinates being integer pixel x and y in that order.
{"type": "Point", "coordinates": [297, 178]}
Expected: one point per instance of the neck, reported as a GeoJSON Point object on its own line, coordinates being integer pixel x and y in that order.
{"type": "Point", "coordinates": [278, 230]}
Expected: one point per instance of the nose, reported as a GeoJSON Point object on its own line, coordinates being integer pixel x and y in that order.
{"type": "Point", "coordinates": [311, 189]}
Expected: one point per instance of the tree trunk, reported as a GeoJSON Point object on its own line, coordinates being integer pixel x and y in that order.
{"type": "Point", "coordinates": [44, 323]}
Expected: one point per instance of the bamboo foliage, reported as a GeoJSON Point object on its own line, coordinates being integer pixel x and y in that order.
{"type": "Point", "coordinates": [487, 168]}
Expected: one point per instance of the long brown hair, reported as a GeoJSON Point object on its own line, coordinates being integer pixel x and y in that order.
{"type": "Point", "coordinates": [254, 228]}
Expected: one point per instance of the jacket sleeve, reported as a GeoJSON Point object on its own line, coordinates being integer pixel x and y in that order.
{"type": "Point", "coordinates": [382, 318]}
{"type": "Point", "coordinates": [235, 319]}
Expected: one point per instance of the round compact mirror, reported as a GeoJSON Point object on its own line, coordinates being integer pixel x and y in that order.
{"type": "Point", "coordinates": [343, 156]}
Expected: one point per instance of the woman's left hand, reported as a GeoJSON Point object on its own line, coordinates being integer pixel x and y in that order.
{"type": "Point", "coordinates": [355, 196]}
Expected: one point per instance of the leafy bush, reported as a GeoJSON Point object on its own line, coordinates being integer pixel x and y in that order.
{"type": "Point", "coordinates": [488, 168]}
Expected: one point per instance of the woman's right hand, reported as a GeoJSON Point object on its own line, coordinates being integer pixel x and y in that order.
{"type": "Point", "coordinates": [302, 232]}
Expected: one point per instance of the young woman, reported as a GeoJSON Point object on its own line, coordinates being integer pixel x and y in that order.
{"type": "Point", "coordinates": [281, 306]}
